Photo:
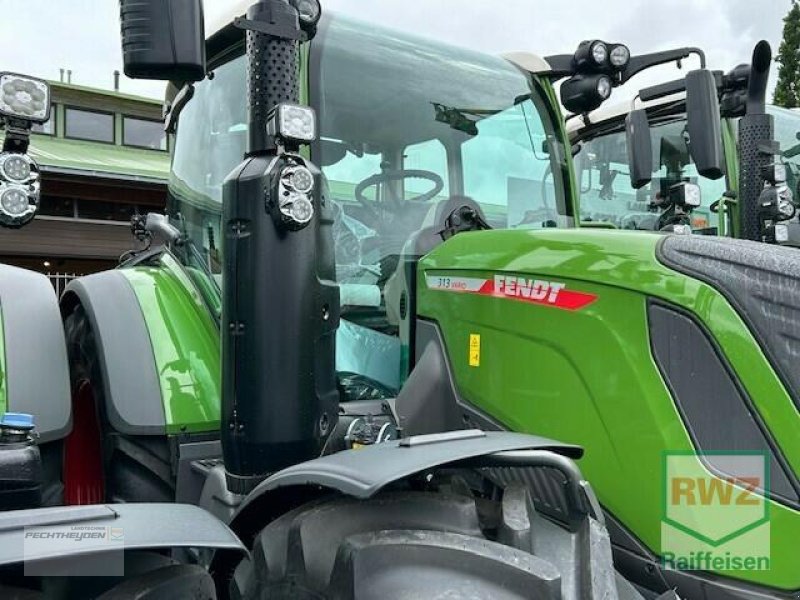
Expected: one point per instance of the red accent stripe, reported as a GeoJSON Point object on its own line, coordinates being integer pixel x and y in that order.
{"type": "Point", "coordinates": [487, 289]}
{"type": "Point", "coordinates": [571, 300]}
{"type": "Point", "coordinates": [566, 299]}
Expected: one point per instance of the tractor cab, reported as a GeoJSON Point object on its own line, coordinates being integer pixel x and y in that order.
{"type": "Point", "coordinates": [607, 194]}
{"type": "Point", "coordinates": [411, 133]}
{"type": "Point", "coordinates": [787, 134]}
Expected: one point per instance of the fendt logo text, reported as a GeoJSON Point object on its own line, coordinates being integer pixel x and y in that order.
{"type": "Point", "coordinates": [512, 287]}
{"type": "Point", "coordinates": [532, 289]}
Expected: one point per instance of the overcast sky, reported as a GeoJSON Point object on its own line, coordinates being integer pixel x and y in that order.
{"type": "Point", "coordinates": [40, 36]}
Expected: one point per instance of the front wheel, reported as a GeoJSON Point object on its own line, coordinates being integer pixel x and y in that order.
{"type": "Point", "coordinates": [415, 545]}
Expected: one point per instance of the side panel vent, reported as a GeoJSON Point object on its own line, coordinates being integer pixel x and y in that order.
{"type": "Point", "coordinates": [715, 410]}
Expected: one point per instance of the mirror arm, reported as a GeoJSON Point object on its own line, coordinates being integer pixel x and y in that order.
{"type": "Point", "coordinates": [18, 135]}
{"type": "Point", "coordinates": [645, 61]}
{"type": "Point", "coordinates": [173, 110]}
{"type": "Point", "coordinates": [561, 65]}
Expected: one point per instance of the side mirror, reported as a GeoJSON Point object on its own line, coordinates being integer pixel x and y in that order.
{"type": "Point", "coordinates": [163, 39]}
{"type": "Point", "coordinates": [640, 148]}
{"type": "Point", "coordinates": [703, 123]}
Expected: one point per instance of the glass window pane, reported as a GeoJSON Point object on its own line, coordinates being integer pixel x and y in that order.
{"type": "Point", "coordinates": [787, 132]}
{"type": "Point", "coordinates": [607, 195]}
{"type": "Point", "coordinates": [144, 133]}
{"type": "Point", "coordinates": [428, 156]}
{"type": "Point", "coordinates": [105, 211]}
{"type": "Point", "coordinates": [507, 171]}
{"type": "Point", "coordinates": [48, 128]}
{"type": "Point", "coordinates": [87, 125]}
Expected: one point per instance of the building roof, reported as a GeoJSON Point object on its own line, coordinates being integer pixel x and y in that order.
{"type": "Point", "coordinates": [92, 159]}
{"type": "Point", "coordinates": [59, 86]}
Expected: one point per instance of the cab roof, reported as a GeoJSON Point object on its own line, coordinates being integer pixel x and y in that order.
{"type": "Point", "coordinates": [612, 112]}
{"type": "Point", "coordinates": [218, 22]}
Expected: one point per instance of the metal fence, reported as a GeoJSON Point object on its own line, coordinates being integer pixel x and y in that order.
{"type": "Point", "coordinates": [60, 281]}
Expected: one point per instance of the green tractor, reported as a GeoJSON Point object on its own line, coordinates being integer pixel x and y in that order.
{"type": "Point", "coordinates": [400, 262]}
{"type": "Point", "coordinates": [622, 189]}
{"type": "Point", "coordinates": [203, 371]}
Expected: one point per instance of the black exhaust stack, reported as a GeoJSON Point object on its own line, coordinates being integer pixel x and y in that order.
{"type": "Point", "coordinates": [280, 301]}
{"type": "Point", "coordinates": [756, 132]}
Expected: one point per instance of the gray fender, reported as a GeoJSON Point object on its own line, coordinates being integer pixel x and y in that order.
{"type": "Point", "coordinates": [37, 372]}
{"type": "Point", "coordinates": [125, 353]}
{"type": "Point", "coordinates": [364, 473]}
{"type": "Point", "coordinates": [178, 526]}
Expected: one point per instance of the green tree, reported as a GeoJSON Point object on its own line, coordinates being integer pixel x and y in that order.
{"type": "Point", "coordinates": [787, 92]}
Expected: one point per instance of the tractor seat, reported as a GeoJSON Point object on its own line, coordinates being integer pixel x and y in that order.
{"type": "Point", "coordinates": [434, 231]}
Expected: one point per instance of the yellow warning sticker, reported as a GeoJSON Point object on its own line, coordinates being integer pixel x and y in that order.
{"type": "Point", "coordinates": [474, 350]}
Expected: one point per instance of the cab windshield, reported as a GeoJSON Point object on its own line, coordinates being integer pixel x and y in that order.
{"type": "Point", "coordinates": [606, 193]}
{"type": "Point", "coordinates": [405, 124]}
{"type": "Point", "coordinates": [787, 133]}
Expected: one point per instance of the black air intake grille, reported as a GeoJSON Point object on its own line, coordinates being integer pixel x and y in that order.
{"type": "Point", "coordinates": [713, 405]}
{"type": "Point", "coordinates": [761, 281]}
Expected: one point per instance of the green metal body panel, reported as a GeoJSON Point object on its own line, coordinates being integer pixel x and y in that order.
{"type": "Point", "coordinates": [185, 341]}
{"type": "Point", "coordinates": [587, 376]}
{"type": "Point", "coordinates": [3, 384]}
{"type": "Point", "coordinates": [571, 191]}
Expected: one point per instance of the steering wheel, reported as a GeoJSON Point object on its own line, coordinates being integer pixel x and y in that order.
{"type": "Point", "coordinates": [387, 176]}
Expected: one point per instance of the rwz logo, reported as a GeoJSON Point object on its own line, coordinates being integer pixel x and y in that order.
{"type": "Point", "coordinates": [692, 491]}
{"type": "Point", "coordinates": [716, 511]}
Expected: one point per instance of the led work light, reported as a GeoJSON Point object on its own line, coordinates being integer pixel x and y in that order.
{"type": "Point", "coordinates": [293, 124]}
{"type": "Point", "coordinates": [18, 205]}
{"type": "Point", "coordinates": [23, 97]}
{"type": "Point", "coordinates": [619, 56]}
{"type": "Point", "coordinates": [295, 203]}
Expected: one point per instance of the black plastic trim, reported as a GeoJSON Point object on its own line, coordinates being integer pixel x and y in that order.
{"type": "Point", "coordinates": [691, 425]}
{"type": "Point", "coordinates": [429, 401]}
{"type": "Point", "coordinates": [774, 262]}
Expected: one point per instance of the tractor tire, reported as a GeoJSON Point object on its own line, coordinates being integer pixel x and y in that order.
{"type": "Point", "coordinates": [395, 545]}
{"type": "Point", "coordinates": [135, 468]}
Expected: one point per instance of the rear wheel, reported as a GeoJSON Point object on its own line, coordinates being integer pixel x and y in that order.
{"type": "Point", "coordinates": [404, 545]}
{"type": "Point", "coordinates": [134, 468]}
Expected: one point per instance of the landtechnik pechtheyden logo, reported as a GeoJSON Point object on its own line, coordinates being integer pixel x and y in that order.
{"type": "Point", "coordinates": [74, 550]}
{"type": "Point", "coordinates": [715, 512]}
